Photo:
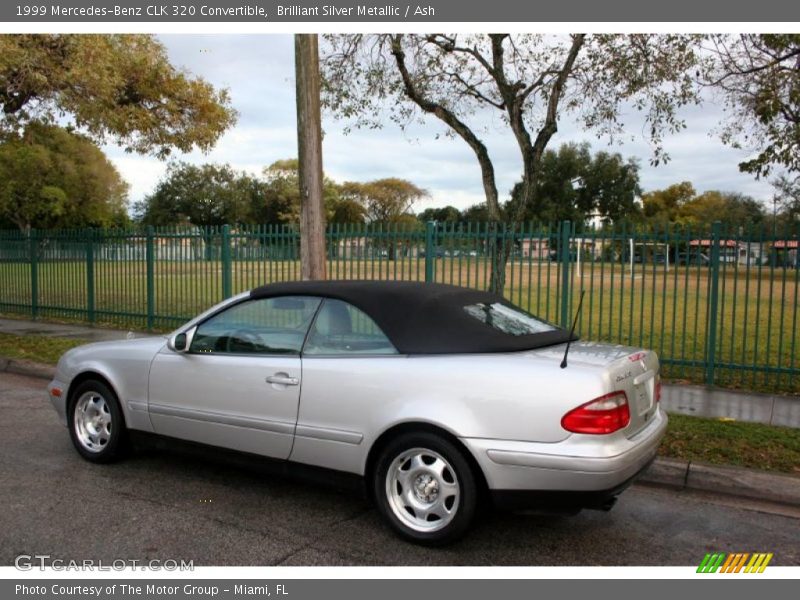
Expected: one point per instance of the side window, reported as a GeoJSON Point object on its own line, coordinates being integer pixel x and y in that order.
{"type": "Point", "coordinates": [342, 329]}
{"type": "Point", "coordinates": [267, 326]}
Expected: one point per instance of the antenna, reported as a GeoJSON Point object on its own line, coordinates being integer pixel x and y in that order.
{"type": "Point", "coordinates": [572, 331]}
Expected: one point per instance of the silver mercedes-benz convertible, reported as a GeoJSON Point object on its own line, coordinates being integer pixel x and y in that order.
{"type": "Point", "coordinates": [435, 396]}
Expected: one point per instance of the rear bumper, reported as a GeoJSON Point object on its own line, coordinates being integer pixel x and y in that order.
{"type": "Point", "coordinates": [562, 500]}
{"type": "Point", "coordinates": [586, 464]}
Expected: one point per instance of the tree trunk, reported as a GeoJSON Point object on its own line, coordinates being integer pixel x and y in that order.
{"type": "Point", "coordinates": [309, 144]}
{"type": "Point", "coordinates": [531, 151]}
{"type": "Point", "coordinates": [498, 257]}
{"type": "Point", "coordinates": [502, 241]}
{"type": "Point", "coordinates": [23, 225]}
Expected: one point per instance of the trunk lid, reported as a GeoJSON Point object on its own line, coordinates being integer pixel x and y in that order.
{"type": "Point", "coordinates": [624, 368]}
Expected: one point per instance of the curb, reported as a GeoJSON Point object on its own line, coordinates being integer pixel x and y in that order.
{"type": "Point", "coordinates": [665, 472]}
{"type": "Point", "coordinates": [730, 481]}
{"type": "Point", "coordinates": [26, 367]}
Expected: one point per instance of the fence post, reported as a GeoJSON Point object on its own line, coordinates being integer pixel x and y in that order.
{"type": "Point", "coordinates": [713, 302]}
{"type": "Point", "coordinates": [566, 232]}
{"type": "Point", "coordinates": [430, 251]}
{"type": "Point", "coordinates": [151, 284]}
{"type": "Point", "coordinates": [33, 242]}
{"type": "Point", "coordinates": [90, 275]}
{"type": "Point", "coordinates": [225, 255]}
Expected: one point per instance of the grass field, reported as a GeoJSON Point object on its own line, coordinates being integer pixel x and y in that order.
{"type": "Point", "coordinates": [757, 332]}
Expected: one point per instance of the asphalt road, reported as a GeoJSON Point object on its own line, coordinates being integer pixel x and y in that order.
{"type": "Point", "coordinates": [166, 506]}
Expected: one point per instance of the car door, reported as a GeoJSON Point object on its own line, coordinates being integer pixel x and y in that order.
{"type": "Point", "coordinates": [347, 362]}
{"type": "Point", "coordinates": [238, 384]}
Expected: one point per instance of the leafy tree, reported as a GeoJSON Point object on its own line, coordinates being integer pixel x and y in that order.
{"type": "Point", "coordinates": [385, 200]}
{"type": "Point", "coordinates": [388, 202]}
{"type": "Point", "coordinates": [405, 226]}
{"type": "Point", "coordinates": [609, 188]}
{"type": "Point", "coordinates": [660, 207]}
{"type": "Point", "coordinates": [279, 203]}
{"type": "Point", "coordinates": [575, 185]}
{"type": "Point", "coordinates": [531, 80]}
{"type": "Point", "coordinates": [680, 204]}
{"type": "Point", "coordinates": [445, 214]}
{"type": "Point", "coordinates": [51, 177]}
{"type": "Point", "coordinates": [477, 213]}
{"type": "Point", "coordinates": [759, 79]}
{"type": "Point", "coordinates": [213, 195]}
{"type": "Point", "coordinates": [121, 87]}
{"type": "Point", "coordinates": [787, 197]}
{"type": "Point", "coordinates": [407, 222]}
{"type": "Point", "coordinates": [348, 212]}
{"type": "Point", "coordinates": [733, 210]}
{"type": "Point", "coordinates": [558, 186]}
{"type": "Point", "coordinates": [205, 195]}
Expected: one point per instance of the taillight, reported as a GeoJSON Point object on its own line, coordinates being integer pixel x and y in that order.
{"type": "Point", "coordinates": [658, 388]}
{"type": "Point", "coordinates": [602, 415]}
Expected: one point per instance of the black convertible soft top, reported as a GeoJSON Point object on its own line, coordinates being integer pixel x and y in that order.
{"type": "Point", "coordinates": [421, 318]}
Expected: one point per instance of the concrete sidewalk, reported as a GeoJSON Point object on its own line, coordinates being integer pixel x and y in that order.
{"type": "Point", "coordinates": [700, 401]}
{"type": "Point", "coordinates": [691, 400]}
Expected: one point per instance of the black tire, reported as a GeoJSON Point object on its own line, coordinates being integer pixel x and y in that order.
{"type": "Point", "coordinates": [391, 499]}
{"type": "Point", "coordinates": [111, 441]}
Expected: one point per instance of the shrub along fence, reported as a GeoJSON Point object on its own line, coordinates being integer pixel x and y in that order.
{"type": "Point", "coordinates": [720, 307]}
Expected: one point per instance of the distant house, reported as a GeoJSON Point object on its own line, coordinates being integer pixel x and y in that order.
{"type": "Point", "coordinates": [786, 253]}
{"type": "Point", "coordinates": [177, 244]}
{"type": "Point", "coordinates": [731, 251]}
{"type": "Point", "coordinates": [540, 248]}
{"type": "Point", "coordinates": [182, 243]}
{"type": "Point", "coordinates": [364, 247]}
{"type": "Point", "coordinates": [589, 248]}
{"type": "Point", "coordinates": [751, 253]}
{"type": "Point", "coordinates": [351, 247]}
{"type": "Point", "coordinates": [535, 248]}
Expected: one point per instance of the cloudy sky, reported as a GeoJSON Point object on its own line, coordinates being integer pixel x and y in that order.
{"type": "Point", "coordinates": [259, 72]}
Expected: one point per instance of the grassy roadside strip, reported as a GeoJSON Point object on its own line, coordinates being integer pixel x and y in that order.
{"type": "Point", "coordinates": [729, 442]}
{"type": "Point", "coordinates": [38, 348]}
{"type": "Point", "coordinates": [716, 441]}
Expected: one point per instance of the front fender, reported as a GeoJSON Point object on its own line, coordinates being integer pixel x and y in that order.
{"type": "Point", "coordinates": [124, 365]}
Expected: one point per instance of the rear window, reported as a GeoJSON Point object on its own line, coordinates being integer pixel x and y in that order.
{"type": "Point", "coordinates": [508, 320]}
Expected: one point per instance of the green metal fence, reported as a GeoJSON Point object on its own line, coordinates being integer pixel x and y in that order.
{"type": "Point", "coordinates": [719, 306]}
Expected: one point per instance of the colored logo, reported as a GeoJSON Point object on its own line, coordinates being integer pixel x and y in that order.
{"type": "Point", "coordinates": [743, 562]}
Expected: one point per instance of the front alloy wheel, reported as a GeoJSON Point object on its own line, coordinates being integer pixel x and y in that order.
{"type": "Point", "coordinates": [92, 419]}
{"type": "Point", "coordinates": [96, 427]}
{"type": "Point", "coordinates": [425, 488]}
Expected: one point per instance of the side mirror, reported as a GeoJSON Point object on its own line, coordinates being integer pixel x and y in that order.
{"type": "Point", "coordinates": [180, 342]}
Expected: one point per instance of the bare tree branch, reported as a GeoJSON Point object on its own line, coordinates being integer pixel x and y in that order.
{"type": "Point", "coordinates": [447, 116]}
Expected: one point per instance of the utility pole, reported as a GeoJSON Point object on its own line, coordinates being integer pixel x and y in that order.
{"type": "Point", "coordinates": [309, 145]}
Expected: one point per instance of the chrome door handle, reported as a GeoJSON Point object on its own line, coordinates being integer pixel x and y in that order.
{"type": "Point", "coordinates": [283, 379]}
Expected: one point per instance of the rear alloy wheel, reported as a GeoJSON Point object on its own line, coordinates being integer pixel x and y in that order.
{"type": "Point", "coordinates": [96, 424]}
{"type": "Point", "coordinates": [425, 488]}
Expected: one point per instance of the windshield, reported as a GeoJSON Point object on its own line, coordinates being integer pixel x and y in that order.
{"type": "Point", "coordinates": [507, 319]}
